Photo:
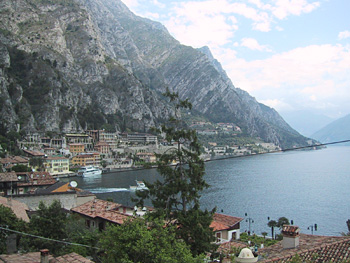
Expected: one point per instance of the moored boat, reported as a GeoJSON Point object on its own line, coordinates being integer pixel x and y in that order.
{"type": "Point", "coordinates": [88, 171]}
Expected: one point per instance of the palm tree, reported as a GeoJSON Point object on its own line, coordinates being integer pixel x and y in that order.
{"type": "Point", "coordinates": [264, 234]}
{"type": "Point", "coordinates": [272, 224]}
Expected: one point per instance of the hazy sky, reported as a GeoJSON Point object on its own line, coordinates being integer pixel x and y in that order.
{"type": "Point", "coordinates": [288, 54]}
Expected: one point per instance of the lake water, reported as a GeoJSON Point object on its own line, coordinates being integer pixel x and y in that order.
{"type": "Point", "coordinates": [306, 186]}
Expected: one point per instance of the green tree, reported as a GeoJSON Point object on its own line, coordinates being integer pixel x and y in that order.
{"type": "Point", "coordinates": [37, 163]}
{"type": "Point", "coordinates": [9, 220]}
{"type": "Point", "coordinates": [139, 241]}
{"type": "Point", "coordinates": [282, 221]}
{"type": "Point", "coordinates": [176, 197]}
{"type": "Point", "coordinates": [21, 168]}
{"type": "Point", "coordinates": [78, 233]}
{"type": "Point", "coordinates": [272, 224]}
{"type": "Point", "coordinates": [49, 222]}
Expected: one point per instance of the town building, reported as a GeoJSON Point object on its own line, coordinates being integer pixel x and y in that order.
{"type": "Point", "coordinates": [98, 213]}
{"type": "Point", "coordinates": [139, 138]}
{"type": "Point", "coordinates": [29, 182]}
{"type": "Point", "coordinates": [76, 148]}
{"type": "Point", "coordinates": [8, 162]}
{"type": "Point", "coordinates": [226, 227]}
{"type": "Point", "coordinates": [8, 183]}
{"type": "Point", "coordinates": [86, 159]}
{"type": "Point", "coordinates": [57, 166]}
{"type": "Point", "coordinates": [80, 138]}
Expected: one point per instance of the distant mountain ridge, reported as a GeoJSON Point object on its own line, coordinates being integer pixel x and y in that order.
{"type": "Point", "coordinates": [306, 122]}
{"type": "Point", "coordinates": [69, 65]}
{"type": "Point", "coordinates": [338, 130]}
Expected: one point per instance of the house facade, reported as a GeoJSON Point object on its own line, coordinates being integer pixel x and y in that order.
{"type": "Point", "coordinates": [56, 165]}
{"type": "Point", "coordinates": [226, 227]}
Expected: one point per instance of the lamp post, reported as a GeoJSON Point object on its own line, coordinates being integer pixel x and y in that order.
{"type": "Point", "coordinates": [312, 227]}
{"type": "Point", "coordinates": [250, 221]}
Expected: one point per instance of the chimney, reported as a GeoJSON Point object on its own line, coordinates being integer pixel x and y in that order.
{"type": "Point", "coordinates": [290, 236]}
{"type": "Point", "coordinates": [44, 256]}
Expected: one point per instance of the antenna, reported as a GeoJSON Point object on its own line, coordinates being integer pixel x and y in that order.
{"type": "Point", "coordinates": [73, 184]}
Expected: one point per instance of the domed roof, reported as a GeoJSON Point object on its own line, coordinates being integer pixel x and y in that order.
{"type": "Point", "coordinates": [246, 253]}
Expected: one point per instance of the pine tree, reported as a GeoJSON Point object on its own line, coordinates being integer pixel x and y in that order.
{"type": "Point", "coordinates": [176, 197]}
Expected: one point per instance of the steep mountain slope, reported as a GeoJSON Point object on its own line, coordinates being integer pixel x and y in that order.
{"type": "Point", "coordinates": [75, 64]}
{"type": "Point", "coordinates": [338, 130]}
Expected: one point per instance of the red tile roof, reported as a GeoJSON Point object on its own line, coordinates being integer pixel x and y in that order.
{"type": "Point", "coordinates": [13, 160]}
{"type": "Point", "coordinates": [18, 208]}
{"type": "Point", "coordinates": [34, 257]}
{"type": "Point", "coordinates": [8, 177]}
{"type": "Point", "coordinates": [223, 222]}
{"type": "Point", "coordinates": [311, 247]}
{"type": "Point", "coordinates": [71, 258]}
{"type": "Point", "coordinates": [102, 209]}
{"type": "Point", "coordinates": [38, 178]}
{"type": "Point", "coordinates": [291, 231]}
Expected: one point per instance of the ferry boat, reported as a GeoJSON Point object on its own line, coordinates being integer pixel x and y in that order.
{"type": "Point", "coordinates": [88, 171]}
{"type": "Point", "coordinates": [140, 186]}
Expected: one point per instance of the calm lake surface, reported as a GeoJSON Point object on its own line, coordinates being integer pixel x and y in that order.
{"type": "Point", "coordinates": [306, 186]}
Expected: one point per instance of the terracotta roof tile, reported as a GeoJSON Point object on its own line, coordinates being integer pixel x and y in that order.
{"type": "Point", "coordinates": [19, 208]}
{"type": "Point", "coordinates": [71, 258]}
{"type": "Point", "coordinates": [33, 257]}
{"type": "Point", "coordinates": [8, 177]}
{"type": "Point", "coordinates": [311, 247]}
{"type": "Point", "coordinates": [102, 209]}
{"type": "Point", "coordinates": [221, 222]}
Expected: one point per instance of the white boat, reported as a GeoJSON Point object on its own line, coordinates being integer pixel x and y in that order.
{"type": "Point", "coordinates": [88, 171]}
{"type": "Point", "coordinates": [140, 186]}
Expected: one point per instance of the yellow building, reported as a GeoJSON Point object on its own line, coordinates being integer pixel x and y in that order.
{"type": "Point", "coordinates": [76, 148]}
{"type": "Point", "coordinates": [56, 165]}
{"type": "Point", "coordinates": [86, 159]}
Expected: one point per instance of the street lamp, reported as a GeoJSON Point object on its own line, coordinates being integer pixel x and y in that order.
{"type": "Point", "coordinates": [312, 227]}
{"type": "Point", "coordinates": [250, 221]}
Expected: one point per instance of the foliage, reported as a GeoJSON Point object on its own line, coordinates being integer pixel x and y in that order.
{"type": "Point", "coordinates": [137, 241]}
{"type": "Point", "coordinates": [272, 224]}
{"type": "Point", "coordinates": [20, 168]}
{"type": "Point", "coordinates": [37, 162]}
{"type": "Point", "coordinates": [78, 233]}
{"type": "Point", "coordinates": [257, 240]}
{"type": "Point", "coordinates": [282, 221]}
{"type": "Point", "coordinates": [49, 222]}
{"type": "Point", "coordinates": [176, 197]}
{"type": "Point", "coordinates": [9, 220]}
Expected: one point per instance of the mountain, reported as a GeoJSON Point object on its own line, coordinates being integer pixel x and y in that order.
{"type": "Point", "coordinates": [69, 65]}
{"type": "Point", "coordinates": [338, 130]}
{"type": "Point", "coordinates": [306, 122]}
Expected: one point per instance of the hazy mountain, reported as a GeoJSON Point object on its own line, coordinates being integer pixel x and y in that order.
{"type": "Point", "coordinates": [338, 130]}
{"type": "Point", "coordinates": [68, 65]}
{"type": "Point", "coordinates": [306, 122]}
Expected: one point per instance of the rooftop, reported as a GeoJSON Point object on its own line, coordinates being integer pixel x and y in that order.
{"type": "Point", "coordinates": [18, 208]}
{"type": "Point", "coordinates": [222, 222]}
{"type": "Point", "coordinates": [102, 209]}
{"type": "Point", "coordinates": [8, 177]}
{"type": "Point", "coordinates": [34, 257]}
{"type": "Point", "coordinates": [311, 247]}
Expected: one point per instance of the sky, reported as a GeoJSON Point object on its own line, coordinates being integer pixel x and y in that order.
{"type": "Point", "coordinates": [291, 55]}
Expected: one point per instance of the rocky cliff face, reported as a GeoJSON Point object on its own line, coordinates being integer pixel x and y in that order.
{"type": "Point", "coordinates": [75, 64]}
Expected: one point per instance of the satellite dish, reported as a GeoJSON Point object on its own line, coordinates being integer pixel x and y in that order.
{"type": "Point", "coordinates": [73, 184]}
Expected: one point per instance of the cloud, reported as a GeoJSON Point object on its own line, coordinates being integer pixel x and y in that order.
{"type": "Point", "coordinates": [253, 44]}
{"type": "Point", "coordinates": [344, 34]}
{"type": "Point", "coordinates": [284, 8]}
{"type": "Point", "coordinates": [308, 76]}
{"type": "Point", "coordinates": [131, 3]}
